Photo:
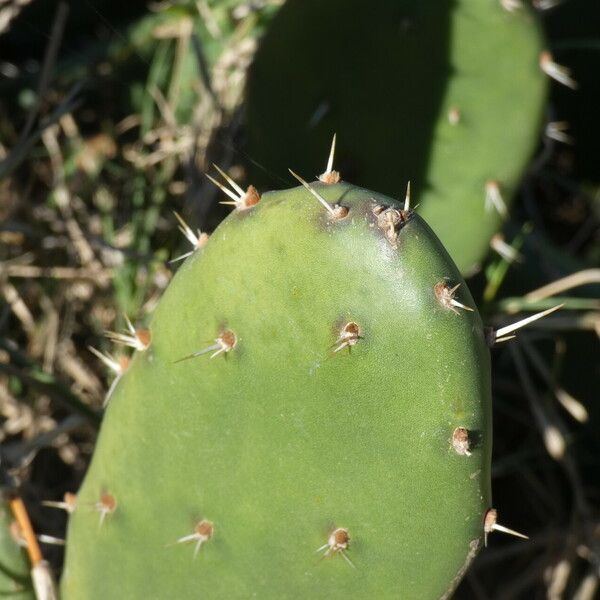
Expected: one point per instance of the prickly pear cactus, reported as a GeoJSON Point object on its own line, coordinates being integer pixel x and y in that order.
{"type": "Point", "coordinates": [307, 415]}
{"type": "Point", "coordinates": [449, 94]}
{"type": "Point", "coordinates": [15, 581]}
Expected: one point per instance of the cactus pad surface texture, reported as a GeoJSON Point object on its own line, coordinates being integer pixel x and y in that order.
{"type": "Point", "coordinates": [447, 93]}
{"type": "Point", "coordinates": [335, 441]}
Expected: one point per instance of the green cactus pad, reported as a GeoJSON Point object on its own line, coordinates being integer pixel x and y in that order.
{"type": "Point", "coordinates": [335, 411]}
{"type": "Point", "coordinates": [446, 93]}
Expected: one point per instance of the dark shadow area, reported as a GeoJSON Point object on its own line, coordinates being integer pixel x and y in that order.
{"type": "Point", "coordinates": [347, 67]}
{"type": "Point", "coordinates": [89, 22]}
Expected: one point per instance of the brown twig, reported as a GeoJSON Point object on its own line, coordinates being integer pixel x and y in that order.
{"type": "Point", "coordinates": [20, 513]}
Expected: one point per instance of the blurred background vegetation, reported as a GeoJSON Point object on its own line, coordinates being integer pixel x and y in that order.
{"type": "Point", "coordinates": [110, 116]}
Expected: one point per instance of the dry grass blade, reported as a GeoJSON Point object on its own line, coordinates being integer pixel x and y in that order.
{"type": "Point", "coordinates": [569, 403]}
{"type": "Point", "coordinates": [550, 429]}
{"type": "Point", "coordinates": [585, 277]}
